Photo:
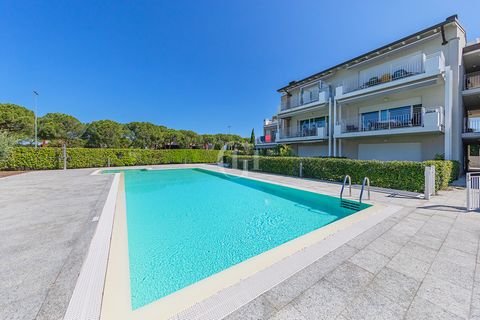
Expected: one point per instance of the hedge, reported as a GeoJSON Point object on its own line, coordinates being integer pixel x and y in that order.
{"type": "Point", "coordinates": [23, 158]}
{"type": "Point", "coordinates": [400, 175]}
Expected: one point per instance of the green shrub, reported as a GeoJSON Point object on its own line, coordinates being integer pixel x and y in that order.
{"type": "Point", "coordinates": [400, 175]}
{"type": "Point", "coordinates": [22, 158]}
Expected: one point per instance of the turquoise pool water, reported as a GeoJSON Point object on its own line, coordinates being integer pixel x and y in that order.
{"type": "Point", "coordinates": [187, 224]}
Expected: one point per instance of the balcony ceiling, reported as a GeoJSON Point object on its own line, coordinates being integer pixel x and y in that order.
{"type": "Point", "coordinates": [471, 61]}
{"type": "Point", "coordinates": [471, 98]}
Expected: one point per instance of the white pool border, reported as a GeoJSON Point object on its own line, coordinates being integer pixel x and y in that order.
{"type": "Point", "coordinates": [86, 301]}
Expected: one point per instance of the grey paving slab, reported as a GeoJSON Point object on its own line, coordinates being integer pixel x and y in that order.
{"type": "Point", "coordinates": [322, 301]}
{"type": "Point", "coordinates": [446, 295]}
{"type": "Point", "coordinates": [288, 313]}
{"type": "Point", "coordinates": [419, 251]}
{"type": "Point", "coordinates": [475, 305]}
{"type": "Point", "coordinates": [422, 309]}
{"type": "Point", "coordinates": [370, 260]}
{"type": "Point", "coordinates": [349, 277]}
{"type": "Point", "coordinates": [385, 247]}
{"type": "Point", "coordinates": [449, 271]}
{"type": "Point", "coordinates": [395, 286]}
{"type": "Point", "coordinates": [409, 266]}
{"type": "Point", "coordinates": [427, 241]}
{"type": "Point", "coordinates": [372, 305]}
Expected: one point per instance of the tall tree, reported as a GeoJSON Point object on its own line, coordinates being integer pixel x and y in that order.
{"type": "Point", "coordinates": [62, 127]}
{"type": "Point", "coordinates": [146, 135]}
{"type": "Point", "coordinates": [252, 136]}
{"type": "Point", "coordinates": [106, 134]}
{"type": "Point", "coordinates": [16, 119]}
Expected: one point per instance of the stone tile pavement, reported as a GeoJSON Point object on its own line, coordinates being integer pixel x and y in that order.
{"type": "Point", "coordinates": [421, 263]}
{"type": "Point", "coordinates": [45, 231]}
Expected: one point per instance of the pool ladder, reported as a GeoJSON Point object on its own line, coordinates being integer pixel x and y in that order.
{"type": "Point", "coordinates": [349, 204]}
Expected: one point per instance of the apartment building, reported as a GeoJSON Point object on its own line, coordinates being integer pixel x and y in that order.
{"type": "Point", "coordinates": [416, 99]}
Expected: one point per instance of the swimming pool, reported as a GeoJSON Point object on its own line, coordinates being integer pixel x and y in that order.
{"type": "Point", "coordinates": [185, 225]}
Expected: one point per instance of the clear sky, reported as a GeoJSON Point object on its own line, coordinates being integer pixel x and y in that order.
{"type": "Point", "coordinates": [199, 65]}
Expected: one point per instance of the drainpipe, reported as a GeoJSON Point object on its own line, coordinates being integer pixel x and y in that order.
{"type": "Point", "coordinates": [334, 121]}
{"type": "Point", "coordinates": [330, 127]}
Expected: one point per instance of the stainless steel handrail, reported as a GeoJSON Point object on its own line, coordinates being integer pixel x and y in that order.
{"type": "Point", "coordinates": [349, 185]}
{"type": "Point", "coordinates": [365, 180]}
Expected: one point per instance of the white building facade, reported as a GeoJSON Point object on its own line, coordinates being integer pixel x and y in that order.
{"type": "Point", "coordinates": [403, 101]}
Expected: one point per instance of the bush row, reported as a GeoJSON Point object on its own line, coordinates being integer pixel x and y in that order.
{"type": "Point", "coordinates": [22, 158]}
{"type": "Point", "coordinates": [400, 175]}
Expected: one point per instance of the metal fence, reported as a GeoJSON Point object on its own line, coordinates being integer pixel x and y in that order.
{"type": "Point", "coordinates": [473, 191]}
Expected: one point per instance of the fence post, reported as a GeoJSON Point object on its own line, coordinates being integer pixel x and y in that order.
{"type": "Point", "coordinates": [429, 188]}
{"type": "Point", "coordinates": [245, 165]}
{"type": "Point", "coordinates": [469, 188]}
{"type": "Point", "coordinates": [300, 174]}
{"type": "Point", "coordinates": [428, 181]}
{"type": "Point", "coordinates": [64, 156]}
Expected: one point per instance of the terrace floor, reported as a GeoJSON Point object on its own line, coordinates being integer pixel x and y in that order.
{"type": "Point", "coordinates": [423, 262]}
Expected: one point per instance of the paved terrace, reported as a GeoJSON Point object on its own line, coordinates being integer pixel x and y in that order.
{"type": "Point", "coordinates": [421, 263]}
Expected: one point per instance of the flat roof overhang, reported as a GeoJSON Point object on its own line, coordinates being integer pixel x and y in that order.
{"type": "Point", "coordinates": [301, 109]}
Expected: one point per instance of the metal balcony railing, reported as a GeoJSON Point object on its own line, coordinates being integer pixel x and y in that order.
{"type": "Point", "coordinates": [472, 80]}
{"type": "Point", "coordinates": [360, 124]}
{"type": "Point", "coordinates": [384, 73]}
{"type": "Point", "coordinates": [305, 131]}
{"type": "Point", "coordinates": [472, 124]}
{"type": "Point", "coordinates": [265, 139]}
{"type": "Point", "coordinates": [299, 98]}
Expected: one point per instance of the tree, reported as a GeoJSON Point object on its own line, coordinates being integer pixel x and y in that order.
{"type": "Point", "coordinates": [252, 136]}
{"type": "Point", "coordinates": [106, 134]}
{"type": "Point", "coordinates": [17, 120]}
{"type": "Point", "coordinates": [59, 126]}
{"type": "Point", "coordinates": [146, 135]}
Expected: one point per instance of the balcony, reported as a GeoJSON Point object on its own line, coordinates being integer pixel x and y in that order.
{"type": "Point", "coordinates": [471, 128]}
{"type": "Point", "coordinates": [266, 140]}
{"type": "Point", "coordinates": [388, 75]}
{"type": "Point", "coordinates": [307, 133]}
{"type": "Point", "coordinates": [270, 122]}
{"type": "Point", "coordinates": [426, 120]}
{"type": "Point", "coordinates": [300, 99]}
{"type": "Point", "coordinates": [472, 81]}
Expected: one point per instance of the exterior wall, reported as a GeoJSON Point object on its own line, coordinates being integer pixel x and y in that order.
{"type": "Point", "coordinates": [431, 144]}
{"type": "Point", "coordinates": [319, 149]}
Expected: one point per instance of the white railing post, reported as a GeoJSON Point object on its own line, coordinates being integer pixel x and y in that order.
{"type": "Point", "coordinates": [429, 188]}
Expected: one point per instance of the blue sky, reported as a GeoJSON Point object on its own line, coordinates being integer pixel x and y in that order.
{"type": "Point", "coordinates": [199, 65]}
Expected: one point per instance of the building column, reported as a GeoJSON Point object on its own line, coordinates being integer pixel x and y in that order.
{"type": "Point", "coordinates": [330, 127]}
{"type": "Point", "coordinates": [334, 122]}
{"type": "Point", "coordinates": [339, 147]}
{"type": "Point", "coordinates": [448, 113]}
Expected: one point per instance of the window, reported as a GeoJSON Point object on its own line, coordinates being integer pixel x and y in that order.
{"type": "Point", "coordinates": [392, 118]}
{"type": "Point", "coordinates": [369, 120]}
